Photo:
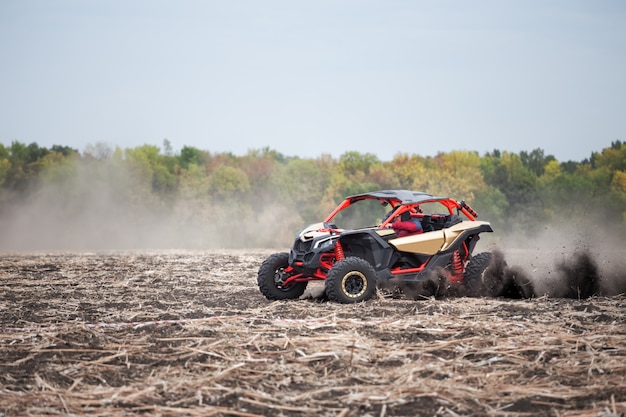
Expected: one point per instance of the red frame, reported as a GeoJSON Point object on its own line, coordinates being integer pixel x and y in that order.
{"type": "Point", "coordinates": [450, 203]}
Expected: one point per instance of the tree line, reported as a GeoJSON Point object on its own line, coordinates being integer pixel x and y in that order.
{"type": "Point", "coordinates": [515, 191]}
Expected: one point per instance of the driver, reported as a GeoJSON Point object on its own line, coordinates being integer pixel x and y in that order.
{"type": "Point", "coordinates": [405, 225]}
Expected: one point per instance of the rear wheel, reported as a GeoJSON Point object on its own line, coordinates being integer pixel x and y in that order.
{"type": "Point", "coordinates": [351, 280]}
{"type": "Point", "coordinates": [474, 275]}
{"type": "Point", "coordinates": [272, 275]}
{"type": "Point", "coordinates": [488, 275]}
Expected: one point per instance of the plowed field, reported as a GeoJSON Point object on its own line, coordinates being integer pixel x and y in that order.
{"type": "Point", "coordinates": [188, 334]}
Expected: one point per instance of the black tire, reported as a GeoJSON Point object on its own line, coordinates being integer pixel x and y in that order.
{"type": "Point", "coordinates": [272, 274]}
{"type": "Point", "coordinates": [351, 280]}
{"type": "Point", "coordinates": [475, 271]}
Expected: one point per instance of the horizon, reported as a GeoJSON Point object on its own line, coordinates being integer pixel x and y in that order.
{"type": "Point", "coordinates": [163, 149]}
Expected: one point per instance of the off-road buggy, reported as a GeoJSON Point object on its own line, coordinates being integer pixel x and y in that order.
{"type": "Point", "coordinates": [355, 251]}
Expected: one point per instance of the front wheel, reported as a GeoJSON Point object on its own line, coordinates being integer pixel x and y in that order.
{"type": "Point", "coordinates": [272, 275]}
{"type": "Point", "coordinates": [351, 280]}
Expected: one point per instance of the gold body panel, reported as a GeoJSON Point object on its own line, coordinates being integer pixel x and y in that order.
{"type": "Point", "coordinates": [429, 243]}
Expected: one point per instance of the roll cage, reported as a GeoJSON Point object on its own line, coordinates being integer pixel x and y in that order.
{"type": "Point", "coordinates": [403, 201]}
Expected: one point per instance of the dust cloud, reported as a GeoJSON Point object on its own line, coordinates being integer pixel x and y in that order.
{"type": "Point", "coordinates": [98, 211]}
{"type": "Point", "coordinates": [96, 224]}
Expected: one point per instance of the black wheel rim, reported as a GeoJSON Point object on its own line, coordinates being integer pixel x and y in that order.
{"type": "Point", "coordinates": [279, 278]}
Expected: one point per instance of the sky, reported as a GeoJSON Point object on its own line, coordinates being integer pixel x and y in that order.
{"type": "Point", "coordinates": [307, 78]}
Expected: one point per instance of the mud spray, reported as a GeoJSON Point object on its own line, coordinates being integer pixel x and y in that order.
{"type": "Point", "coordinates": [558, 264]}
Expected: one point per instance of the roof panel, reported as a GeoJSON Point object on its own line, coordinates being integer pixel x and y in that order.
{"type": "Point", "coordinates": [404, 196]}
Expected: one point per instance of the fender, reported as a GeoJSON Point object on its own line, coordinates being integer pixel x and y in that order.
{"type": "Point", "coordinates": [430, 243]}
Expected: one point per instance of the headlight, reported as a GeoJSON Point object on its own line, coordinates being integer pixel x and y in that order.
{"type": "Point", "coordinates": [324, 243]}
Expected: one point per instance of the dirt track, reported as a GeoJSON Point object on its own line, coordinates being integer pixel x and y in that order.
{"type": "Point", "coordinates": [188, 333]}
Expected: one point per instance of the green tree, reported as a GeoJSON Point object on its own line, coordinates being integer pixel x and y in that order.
{"type": "Point", "coordinates": [190, 155]}
{"type": "Point", "coordinates": [149, 168]}
{"type": "Point", "coordinates": [559, 189]}
{"type": "Point", "coordinates": [618, 187]}
{"type": "Point", "coordinates": [409, 171]}
{"type": "Point", "coordinates": [228, 181]}
{"type": "Point", "coordinates": [455, 174]}
{"type": "Point", "coordinates": [5, 164]}
{"type": "Point", "coordinates": [259, 165]}
{"type": "Point", "coordinates": [63, 150]}
{"type": "Point", "coordinates": [491, 204]}
{"type": "Point", "coordinates": [25, 164]}
{"type": "Point", "coordinates": [536, 160]}
{"type": "Point", "coordinates": [506, 173]}
{"type": "Point", "coordinates": [613, 158]}
{"type": "Point", "coordinates": [59, 166]}
{"type": "Point", "coordinates": [511, 177]}
{"type": "Point", "coordinates": [302, 184]}
{"type": "Point", "coordinates": [355, 164]}
{"type": "Point", "coordinates": [381, 175]}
